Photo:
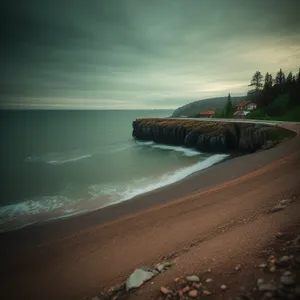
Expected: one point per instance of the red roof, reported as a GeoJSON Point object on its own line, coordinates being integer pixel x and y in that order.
{"type": "Point", "coordinates": [244, 103]}
{"type": "Point", "coordinates": [207, 113]}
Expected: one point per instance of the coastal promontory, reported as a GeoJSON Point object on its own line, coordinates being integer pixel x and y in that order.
{"type": "Point", "coordinates": [209, 136]}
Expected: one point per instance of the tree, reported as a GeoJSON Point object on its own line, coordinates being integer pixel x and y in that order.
{"type": "Point", "coordinates": [229, 107]}
{"type": "Point", "coordinates": [280, 80]}
{"type": "Point", "coordinates": [289, 78]}
{"type": "Point", "coordinates": [268, 81]}
{"type": "Point", "coordinates": [256, 82]}
{"type": "Point", "coordinates": [298, 77]}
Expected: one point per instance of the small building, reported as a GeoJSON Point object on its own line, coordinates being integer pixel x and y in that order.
{"type": "Point", "coordinates": [240, 114]}
{"type": "Point", "coordinates": [207, 114]}
{"type": "Point", "coordinates": [246, 105]}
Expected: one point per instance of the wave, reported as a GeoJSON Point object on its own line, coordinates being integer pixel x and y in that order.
{"type": "Point", "coordinates": [34, 206]}
{"type": "Point", "coordinates": [59, 158]}
{"type": "Point", "coordinates": [63, 205]}
{"type": "Point", "coordinates": [77, 155]}
{"type": "Point", "coordinates": [144, 143]}
{"type": "Point", "coordinates": [141, 186]}
{"type": "Point", "coordinates": [63, 161]}
{"type": "Point", "coordinates": [38, 209]}
{"type": "Point", "coordinates": [185, 151]}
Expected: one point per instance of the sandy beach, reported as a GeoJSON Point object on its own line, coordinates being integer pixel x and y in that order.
{"type": "Point", "coordinates": [212, 219]}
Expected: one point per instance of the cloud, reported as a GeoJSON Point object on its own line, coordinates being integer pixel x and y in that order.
{"type": "Point", "coordinates": [138, 54]}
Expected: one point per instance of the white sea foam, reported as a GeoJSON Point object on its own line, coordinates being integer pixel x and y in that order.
{"type": "Point", "coordinates": [34, 206]}
{"type": "Point", "coordinates": [144, 143]}
{"type": "Point", "coordinates": [100, 195]}
{"type": "Point", "coordinates": [59, 158]}
{"type": "Point", "coordinates": [67, 160]}
{"type": "Point", "coordinates": [119, 193]}
{"type": "Point", "coordinates": [185, 151]}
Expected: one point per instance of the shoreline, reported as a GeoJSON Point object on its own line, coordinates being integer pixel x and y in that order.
{"type": "Point", "coordinates": [208, 220]}
{"type": "Point", "coordinates": [195, 182]}
{"type": "Point", "coordinates": [44, 222]}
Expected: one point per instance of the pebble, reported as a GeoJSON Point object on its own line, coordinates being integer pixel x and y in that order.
{"type": "Point", "coordinates": [284, 202]}
{"type": "Point", "coordinates": [197, 285]}
{"type": "Point", "coordinates": [277, 208]}
{"type": "Point", "coordinates": [287, 273]}
{"type": "Point", "coordinates": [263, 265]}
{"type": "Point", "coordinates": [260, 281]}
{"type": "Point", "coordinates": [206, 292]}
{"type": "Point", "coordinates": [180, 293]}
{"type": "Point", "coordinates": [267, 287]}
{"type": "Point", "coordinates": [279, 235]}
{"type": "Point", "coordinates": [237, 267]}
{"type": "Point", "coordinates": [208, 280]}
{"type": "Point", "coordinates": [117, 288]}
{"type": "Point", "coordinates": [186, 289]}
{"type": "Point", "coordinates": [287, 280]}
{"type": "Point", "coordinates": [223, 287]}
{"type": "Point", "coordinates": [193, 293]}
{"type": "Point", "coordinates": [283, 261]}
{"type": "Point", "coordinates": [273, 269]}
{"type": "Point", "coordinates": [192, 278]}
{"type": "Point", "coordinates": [268, 295]}
{"type": "Point", "coordinates": [164, 290]}
{"type": "Point", "coordinates": [162, 266]}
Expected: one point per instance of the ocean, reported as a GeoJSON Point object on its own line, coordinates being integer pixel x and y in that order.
{"type": "Point", "coordinates": [57, 164]}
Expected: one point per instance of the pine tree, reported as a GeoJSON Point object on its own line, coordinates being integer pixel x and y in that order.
{"type": "Point", "coordinates": [268, 81]}
{"type": "Point", "coordinates": [289, 78]}
{"type": "Point", "coordinates": [298, 77]}
{"type": "Point", "coordinates": [256, 82]}
{"type": "Point", "coordinates": [229, 107]}
{"type": "Point", "coordinates": [280, 78]}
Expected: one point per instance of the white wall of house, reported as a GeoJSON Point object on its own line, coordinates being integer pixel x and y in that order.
{"type": "Point", "coordinates": [250, 106]}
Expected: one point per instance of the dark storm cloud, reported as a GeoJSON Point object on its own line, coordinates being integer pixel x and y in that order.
{"type": "Point", "coordinates": [125, 54]}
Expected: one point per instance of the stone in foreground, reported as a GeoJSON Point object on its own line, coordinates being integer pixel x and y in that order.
{"type": "Point", "coordinates": [267, 287]}
{"type": "Point", "coordinates": [138, 277]}
{"type": "Point", "coordinates": [192, 278]}
{"type": "Point", "coordinates": [193, 293]}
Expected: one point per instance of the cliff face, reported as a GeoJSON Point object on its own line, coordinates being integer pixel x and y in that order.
{"type": "Point", "coordinates": [206, 136]}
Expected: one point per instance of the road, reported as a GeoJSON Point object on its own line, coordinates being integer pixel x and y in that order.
{"type": "Point", "coordinates": [267, 122]}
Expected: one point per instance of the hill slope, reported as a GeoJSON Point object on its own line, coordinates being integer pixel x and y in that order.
{"type": "Point", "coordinates": [193, 108]}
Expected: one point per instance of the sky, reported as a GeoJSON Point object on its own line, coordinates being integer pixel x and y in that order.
{"type": "Point", "coordinates": [140, 54]}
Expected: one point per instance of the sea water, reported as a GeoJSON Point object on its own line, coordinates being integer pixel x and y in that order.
{"type": "Point", "coordinates": [57, 164]}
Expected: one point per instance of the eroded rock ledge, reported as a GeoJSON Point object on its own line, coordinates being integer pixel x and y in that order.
{"type": "Point", "coordinates": [209, 136]}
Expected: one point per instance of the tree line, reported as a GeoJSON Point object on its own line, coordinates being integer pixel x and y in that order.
{"type": "Point", "coordinates": [265, 89]}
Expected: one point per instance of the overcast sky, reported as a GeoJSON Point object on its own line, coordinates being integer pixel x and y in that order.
{"type": "Point", "coordinates": [123, 54]}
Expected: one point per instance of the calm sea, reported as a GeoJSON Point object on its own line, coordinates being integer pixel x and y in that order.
{"type": "Point", "coordinates": [57, 164]}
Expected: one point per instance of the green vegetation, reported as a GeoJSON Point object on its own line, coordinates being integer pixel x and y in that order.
{"type": "Point", "coordinates": [256, 82]}
{"type": "Point", "coordinates": [277, 99]}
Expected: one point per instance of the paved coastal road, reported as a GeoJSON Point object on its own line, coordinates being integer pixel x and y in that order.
{"type": "Point", "coordinates": [268, 122]}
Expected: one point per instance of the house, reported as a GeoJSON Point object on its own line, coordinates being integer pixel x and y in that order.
{"type": "Point", "coordinates": [240, 114]}
{"type": "Point", "coordinates": [246, 105]}
{"type": "Point", "coordinates": [207, 114]}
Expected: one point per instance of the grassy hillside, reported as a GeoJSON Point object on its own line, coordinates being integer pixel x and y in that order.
{"type": "Point", "coordinates": [193, 108]}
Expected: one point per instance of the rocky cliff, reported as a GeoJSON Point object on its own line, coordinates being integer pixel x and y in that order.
{"type": "Point", "coordinates": [207, 136]}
